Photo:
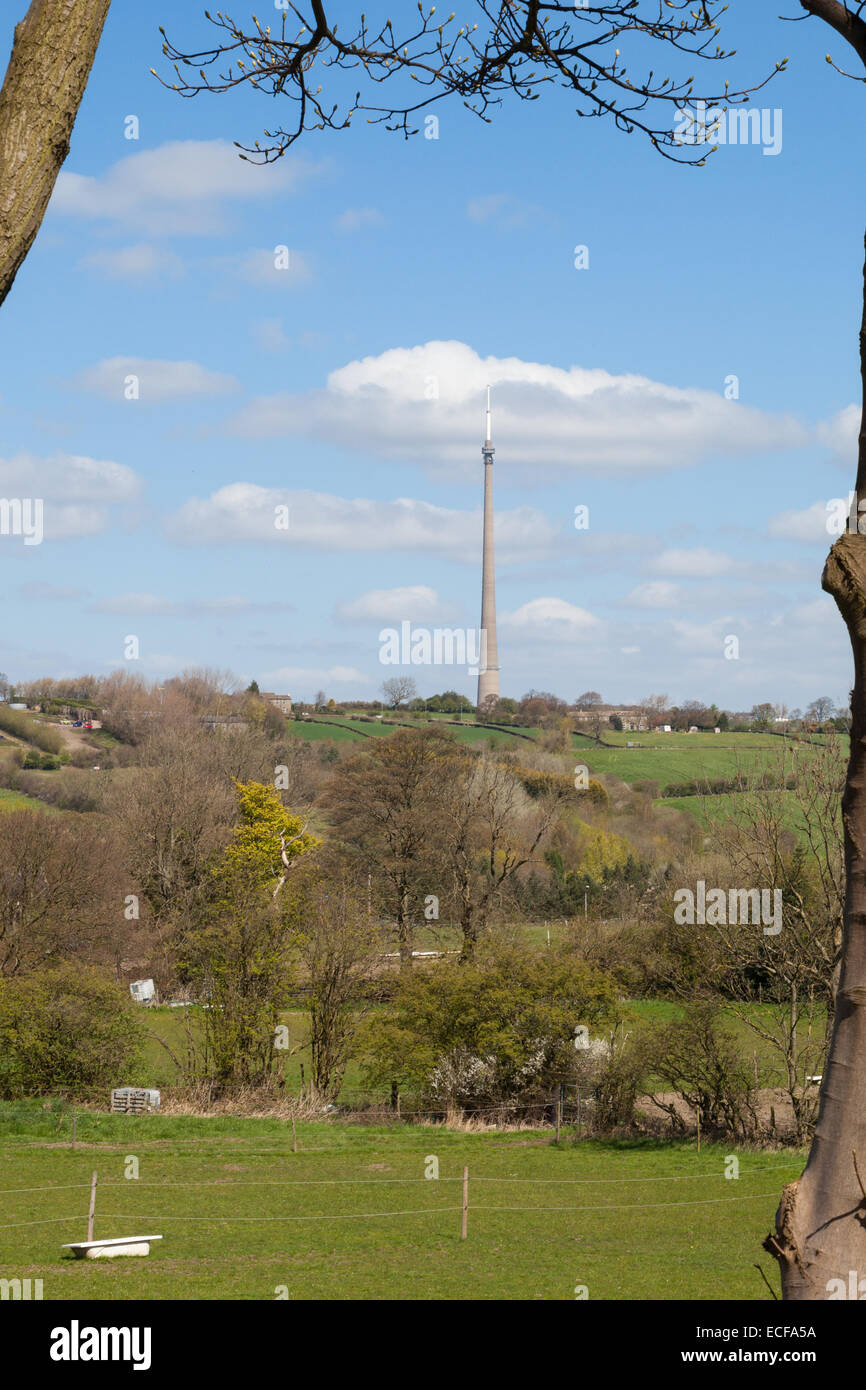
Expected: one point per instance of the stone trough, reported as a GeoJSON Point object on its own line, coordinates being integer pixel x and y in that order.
{"type": "Point", "coordinates": [107, 1249]}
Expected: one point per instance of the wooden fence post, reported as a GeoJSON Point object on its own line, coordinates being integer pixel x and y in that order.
{"type": "Point", "coordinates": [92, 1210]}
{"type": "Point", "coordinates": [294, 1137]}
{"type": "Point", "coordinates": [464, 1218]}
{"type": "Point", "coordinates": [74, 1137]}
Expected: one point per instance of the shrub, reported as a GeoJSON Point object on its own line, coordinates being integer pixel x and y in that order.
{"type": "Point", "coordinates": [697, 1056]}
{"type": "Point", "coordinates": [618, 1076]}
{"type": "Point", "coordinates": [15, 722]}
{"type": "Point", "coordinates": [68, 1028]}
{"type": "Point", "coordinates": [497, 1028]}
{"type": "Point", "coordinates": [646, 786]}
{"type": "Point", "coordinates": [537, 783]}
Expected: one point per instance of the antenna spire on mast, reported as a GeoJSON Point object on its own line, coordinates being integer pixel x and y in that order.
{"type": "Point", "coordinates": [488, 436]}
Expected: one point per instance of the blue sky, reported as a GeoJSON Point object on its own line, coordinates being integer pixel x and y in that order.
{"type": "Point", "coordinates": [350, 388]}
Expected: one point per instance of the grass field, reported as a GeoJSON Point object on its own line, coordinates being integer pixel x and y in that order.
{"type": "Point", "coordinates": [667, 758]}
{"type": "Point", "coordinates": [17, 801]}
{"type": "Point", "coordinates": [342, 730]}
{"type": "Point", "coordinates": [352, 1216]}
{"type": "Point", "coordinates": [167, 1025]}
{"type": "Point", "coordinates": [663, 758]}
{"type": "Point", "coordinates": [709, 810]}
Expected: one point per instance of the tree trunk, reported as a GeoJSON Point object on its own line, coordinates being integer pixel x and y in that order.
{"type": "Point", "coordinates": [404, 930]}
{"type": "Point", "coordinates": [52, 55]}
{"type": "Point", "coordinates": [820, 1231]}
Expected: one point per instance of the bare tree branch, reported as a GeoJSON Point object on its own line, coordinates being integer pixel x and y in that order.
{"type": "Point", "coordinates": [514, 47]}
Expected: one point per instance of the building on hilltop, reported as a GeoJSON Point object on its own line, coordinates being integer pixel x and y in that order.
{"type": "Point", "coordinates": [281, 702]}
{"type": "Point", "coordinates": [633, 716]}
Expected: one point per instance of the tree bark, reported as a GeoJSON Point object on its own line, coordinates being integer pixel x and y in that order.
{"type": "Point", "coordinates": [820, 1233]}
{"type": "Point", "coordinates": [52, 54]}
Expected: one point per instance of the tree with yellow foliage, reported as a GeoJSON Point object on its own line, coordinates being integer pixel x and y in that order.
{"type": "Point", "coordinates": [241, 953]}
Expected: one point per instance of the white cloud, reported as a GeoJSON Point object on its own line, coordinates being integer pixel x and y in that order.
{"type": "Point", "coordinates": [143, 261]}
{"type": "Point", "coordinates": [355, 219]}
{"type": "Point", "coordinates": [270, 268]}
{"type": "Point", "coordinates": [426, 403]}
{"type": "Point", "coordinates": [158, 380]}
{"type": "Point", "coordinates": [154, 605]}
{"type": "Point", "coordinates": [839, 433]}
{"type": "Point", "coordinates": [68, 478]}
{"type": "Point", "coordinates": [699, 563]}
{"type": "Point", "coordinates": [807, 525]}
{"type": "Point", "coordinates": [503, 208]}
{"type": "Point", "coordinates": [290, 677]}
{"type": "Point", "coordinates": [816, 613]}
{"type": "Point", "coordinates": [708, 638]}
{"type": "Point", "coordinates": [182, 186]}
{"type": "Point", "coordinates": [550, 619]}
{"type": "Point", "coordinates": [416, 602]}
{"type": "Point", "coordinates": [78, 493]}
{"type": "Point", "coordinates": [39, 592]}
{"type": "Point", "coordinates": [655, 593]}
{"type": "Point", "coordinates": [268, 334]}
{"type": "Point", "coordinates": [245, 512]}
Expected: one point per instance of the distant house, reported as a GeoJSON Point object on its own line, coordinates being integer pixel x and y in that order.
{"type": "Point", "coordinates": [281, 702]}
{"type": "Point", "coordinates": [632, 716]}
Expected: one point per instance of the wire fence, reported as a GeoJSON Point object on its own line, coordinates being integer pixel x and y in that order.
{"type": "Point", "coordinates": [220, 1187]}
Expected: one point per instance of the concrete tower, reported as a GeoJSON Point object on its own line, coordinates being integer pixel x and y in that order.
{"type": "Point", "coordinates": [488, 677]}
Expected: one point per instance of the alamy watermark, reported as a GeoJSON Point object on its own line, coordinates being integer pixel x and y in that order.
{"type": "Point", "coordinates": [441, 646]}
{"type": "Point", "coordinates": [716, 907]}
{"type": "Point", "coordinates": [846, 514]}
{"type": "Point", "coordinates": [22, 516]}
{"type": "Point", "coordinates": [20, 1290]}
{"type": "Point", "coordinates": [734, 125]}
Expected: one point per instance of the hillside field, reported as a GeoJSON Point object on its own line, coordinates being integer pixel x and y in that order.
{"type": "Point", "coordinates": [667, 758]}
{"type": "Point", "coordinates": [243, 1217]}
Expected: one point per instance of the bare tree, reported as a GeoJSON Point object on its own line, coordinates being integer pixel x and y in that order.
{"type": "Point", "coordinates": [486, 829]}
{"type": "Point", "coordinates": [820, 709]}
{"type": "Point", "coordinates": [398, 689]}
{"type": "Point", "coordinates": [783, 832]}
{"type": "Point", "coordinates": [338, 945]}
{"type": "Point", "coordinates": [654, 708]}
{"type": "Point", "coordinates": [382, 803]}
{"type": "Point", "coordinates": [518, 49]}
{"type": "Point", "coordinates": [54, 886]}
{"type": "Point", "coordinates": [55, 44]}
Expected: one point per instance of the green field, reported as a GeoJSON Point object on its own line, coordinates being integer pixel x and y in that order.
{"type": "Point", "coordinates": [243, 1217]}
{"type": "Point", "coordinates": [341, 730]}
{"type": "Point", "coordinates": [168, 1025]}
{"type": "Point", "coordinates": [17, 801]}
{"type": "Point", "coordinates": [666, 758]}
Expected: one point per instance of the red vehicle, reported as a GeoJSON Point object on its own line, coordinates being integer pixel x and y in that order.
{"type": "Point", "coordinates": [88, 725]}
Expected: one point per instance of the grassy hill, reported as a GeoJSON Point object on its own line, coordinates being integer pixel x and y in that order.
{"type": "Point", "coordinates": [667, 758]}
